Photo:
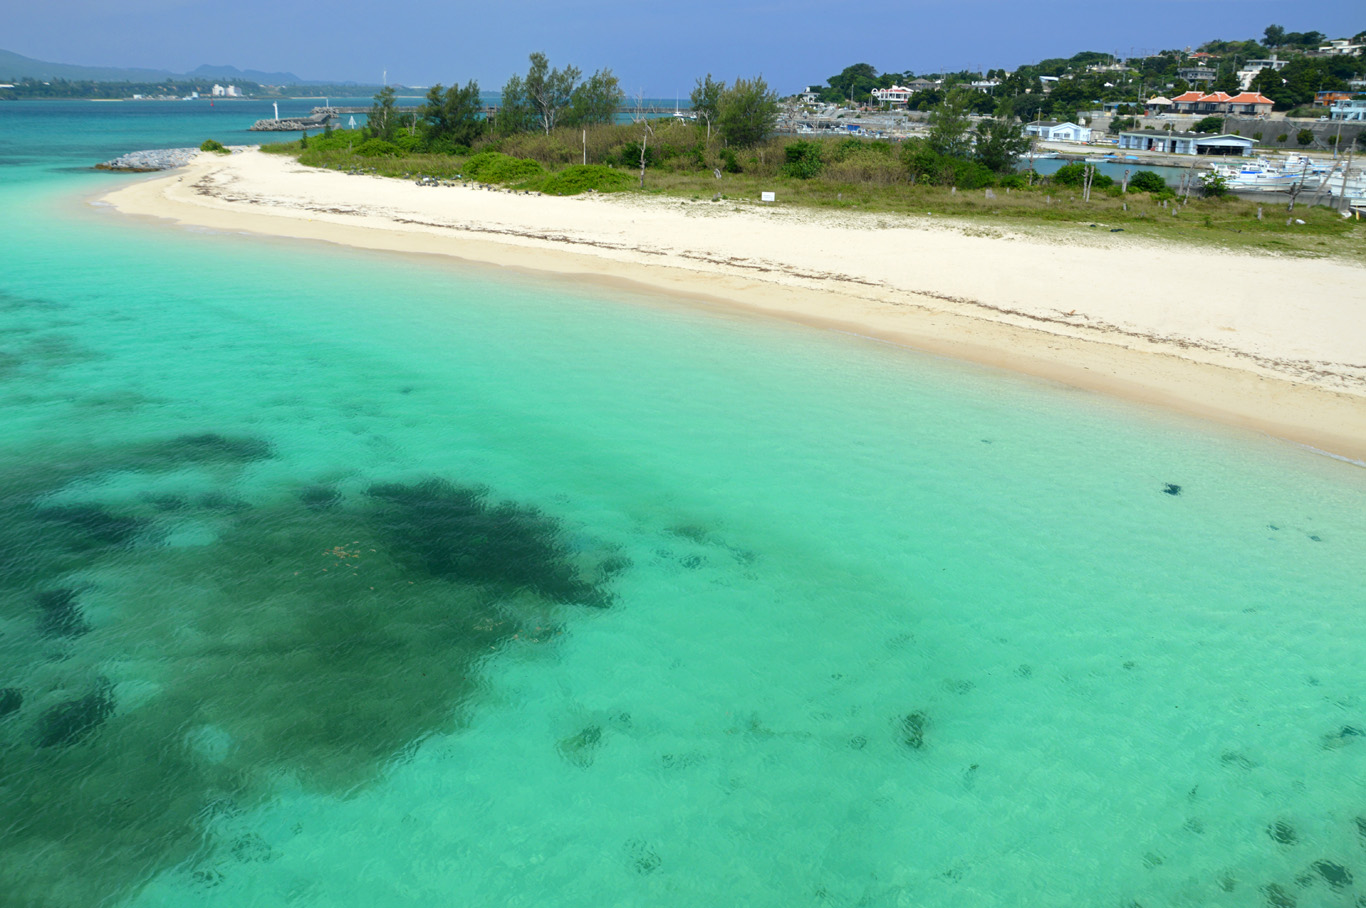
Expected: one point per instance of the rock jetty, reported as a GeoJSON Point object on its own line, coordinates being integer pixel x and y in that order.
{"type": "Point", "coordinates": [291, 124]}
{"type": "Point", "coordinates": [148, 161]}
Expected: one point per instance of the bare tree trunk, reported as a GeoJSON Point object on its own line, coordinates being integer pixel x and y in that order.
{"type": "Point", "coordinates": [644, 142]}
{"type": "Point", "coordinates": [1297, 188]}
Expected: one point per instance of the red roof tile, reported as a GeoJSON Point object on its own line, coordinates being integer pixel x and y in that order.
{"type": "Point", "coordinates": [1189, 96]}
{"type": "Point", "coordinates": [1250, 97]}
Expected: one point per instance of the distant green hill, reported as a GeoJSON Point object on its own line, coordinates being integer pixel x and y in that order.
{"type": "Point", "coordinates": [16, 66]}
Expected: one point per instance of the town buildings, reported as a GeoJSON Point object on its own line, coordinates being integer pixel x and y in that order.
{"type": "Point", "coordinates": [1196, 102]}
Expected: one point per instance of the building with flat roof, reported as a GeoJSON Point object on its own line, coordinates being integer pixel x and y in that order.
{"type": "Point", "coordinates": [1348, 109]}
{"type": "Point", "coordinates": [1193, 143]}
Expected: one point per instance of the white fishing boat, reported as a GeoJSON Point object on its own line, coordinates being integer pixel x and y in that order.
{"type": "Point", "coordinates": [1272, 174]}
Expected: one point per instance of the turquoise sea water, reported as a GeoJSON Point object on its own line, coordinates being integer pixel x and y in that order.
{"type": "Point", "coordinates": [331, 578]}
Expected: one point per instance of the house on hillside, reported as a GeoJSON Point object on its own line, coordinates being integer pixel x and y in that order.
{"type": "Point", "coordinates": [1158, 106]}
{"type": "Point", "coordinates": [1348, 109]}
{"type": "Point", "coordinates": [1054, 131]}
{"type": "Point", "coordinates": [1249, 103]}
{"type": "Point", "coordinates": [1194, 143]}
{"type": "Point", "coordinates": [897, 94]}
{"type": "Point", "coordinates": [1196, 74]}
{"type": "Point", "coordinates": [1195, 102]}
{"type": "Point", "coordinates": [1341, 47]}
{"type": "Point", "coordinates": [1325, 98]}
{"type": "Point", "coordinates": [1252, 67]}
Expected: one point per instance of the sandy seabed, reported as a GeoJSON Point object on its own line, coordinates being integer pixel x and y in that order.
{"type": "Point", "coordinates": [1272, 343]}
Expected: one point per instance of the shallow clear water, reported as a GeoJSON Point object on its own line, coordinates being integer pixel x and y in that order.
{"type": "Point", "coordinates": [332, 578]}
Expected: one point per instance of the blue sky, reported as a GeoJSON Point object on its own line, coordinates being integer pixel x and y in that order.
{"type": "Point", "coordinates": [657, 48]}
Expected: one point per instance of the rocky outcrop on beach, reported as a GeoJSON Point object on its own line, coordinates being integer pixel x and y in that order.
{"type": "Point", "coordinates": [149, 161]}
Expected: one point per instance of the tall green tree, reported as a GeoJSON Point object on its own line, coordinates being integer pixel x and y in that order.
{"type": "Point", "coordinates": [1275, 36]}
{"type": "Point", "coordinates": [1000, 143]}
{"type": "Point", "coordinates": [383, 120]}
{"type": "Point", "coordinates": [854, 82]}
{"type": "Point", "coordinates": [549, 91]}
{"type": "Point", "coordinates": [1226, 82]}
{"type": "Point", "coordinates": [455, 115]}
{"type": "Point", "coordinates": [747, 113]}
{"type": "Point", "coordinates": [706, 101]}
{"type": "Point", "coordinates": [514, 110]}
{"type": "Point", "coordinates": [595, 101]}
{"type": "Point", "coordinates": [948, 133]}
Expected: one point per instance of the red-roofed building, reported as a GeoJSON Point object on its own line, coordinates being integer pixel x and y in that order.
{"type": "Point", "coordinates": [1250, 102]}
{"type": "Point", "coordinates": [1193, 102]}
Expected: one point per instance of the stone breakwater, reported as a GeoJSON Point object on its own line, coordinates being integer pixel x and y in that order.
{"type": "Point", "coordinates": [291, 124]}
{"type": "Point", "coordinates": [148, 161]}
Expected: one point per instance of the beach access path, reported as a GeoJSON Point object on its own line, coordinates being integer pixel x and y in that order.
{"type": "Point", "coordinates": [1272, 343]}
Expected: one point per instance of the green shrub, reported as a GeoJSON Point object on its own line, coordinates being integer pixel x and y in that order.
{"type": "Point", "coordinates": [1281, 138]}
{"type": "Point", "coordinates": [337, 140]}
{"type": "Point", "coordinates": [1210, 124]}
{"type": "Point", "coordinates": [803, 160]}
{"type": "Point", "coordinates": [925, 165]}
{"type": "Point", "coordinates": [629, 155]}
{"type": "Point", "coordinates": [861, 161]}
{"type": "Point", "coordinates": [580, 178]}
{"type": "Point", "coordinates": [1147, 181]}
{"type": "Point", "coordinates": [1075, 175]}
{"type": "Point", "coordinates": [496, 167]}
{"type": "Point", "coordinates": [1013, 181]}
{"type": "Point", "coordinates": [1304, 136]}
{"type": "Point", "coordinates": [1215, 186]}
{"type": "Point", "coordinates": [378, 148]}
{"type": "Point", "coordinates": [214, 146]}
{"type": "Point", "coordinates": [729, 163]}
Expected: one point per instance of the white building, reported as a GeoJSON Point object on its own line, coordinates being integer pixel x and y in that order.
{"type": "Point", "coordinates": [1252, 67]}
{"type": "Point", "coordinates": [1341, 47]}
{"type": "Point", "coordinates": [1053, 131]}
{"type": "Point", "coordinates": [897, 94]}
{"type": "Point", "coordinates": [1184, 143]}
{"type": "Point", "coordinates": [1348, 109]}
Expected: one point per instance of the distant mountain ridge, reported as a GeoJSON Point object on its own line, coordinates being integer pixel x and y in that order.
{"type": "Point", "coordinates": [16, 66]}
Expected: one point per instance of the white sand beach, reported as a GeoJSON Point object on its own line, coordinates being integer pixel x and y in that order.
{"type": "Point", "coordinates": [1276, 344]}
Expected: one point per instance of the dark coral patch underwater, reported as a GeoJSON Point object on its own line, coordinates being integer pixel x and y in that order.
{"type": "Point", "coordinates": [316, 636]}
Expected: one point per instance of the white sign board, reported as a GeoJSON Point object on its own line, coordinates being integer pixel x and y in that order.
{"type": "Point", "coordinates": [767, 197]}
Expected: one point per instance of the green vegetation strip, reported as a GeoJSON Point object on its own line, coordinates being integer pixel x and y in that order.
{"type": "Point", "coordinates": [849, 175]}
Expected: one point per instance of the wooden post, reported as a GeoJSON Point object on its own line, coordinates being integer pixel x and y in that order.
{"type": "Point", "coordinates": [1342, 196]}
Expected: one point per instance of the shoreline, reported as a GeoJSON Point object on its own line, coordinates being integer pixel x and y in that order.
{"type": "Point", "coordinates": [1275, 345]}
